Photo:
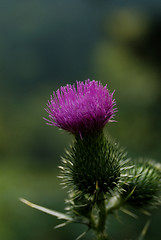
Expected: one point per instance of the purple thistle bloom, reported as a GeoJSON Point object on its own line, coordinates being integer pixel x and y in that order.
{"type": "Point", "coordinates": [81, 109]}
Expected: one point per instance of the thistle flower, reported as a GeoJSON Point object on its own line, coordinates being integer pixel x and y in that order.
{"type": "Point", "coordinates": [81, 109]}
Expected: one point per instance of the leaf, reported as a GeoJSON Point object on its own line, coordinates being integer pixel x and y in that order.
{"type": "Point", "coordinates": [48, 211]}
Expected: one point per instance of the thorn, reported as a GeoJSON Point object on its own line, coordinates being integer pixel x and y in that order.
{"type": "Point", "coordinates": [27, 202]}
{"type": "Point", "coordinates": [144, 231]}
{"type": "Point", "coordinates": [129, 213]}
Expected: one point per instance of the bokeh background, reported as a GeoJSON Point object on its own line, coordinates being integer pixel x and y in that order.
{"type": "Point", "coordinates": [46, 44]}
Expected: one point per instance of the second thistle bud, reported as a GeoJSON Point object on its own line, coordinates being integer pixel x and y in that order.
{"type": "Point", "coordinates": [142, 190]}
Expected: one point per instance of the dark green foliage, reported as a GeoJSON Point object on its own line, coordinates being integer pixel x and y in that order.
{"type": "Point", "coordinates": [93, 163]}
{"type": "Point", "coordinates": [143, 188]}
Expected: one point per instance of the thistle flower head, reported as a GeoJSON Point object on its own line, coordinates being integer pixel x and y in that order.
{"type": "Point", "coordinates": [84, 108]}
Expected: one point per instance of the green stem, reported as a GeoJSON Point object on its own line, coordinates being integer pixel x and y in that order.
{"type": "Point", "coordinates": [102, 236]}
{"type": "Point", "coordinates": [100, 228]}
{"type": "Point", "coordinates": [98, 222]}
{"type": "Point", "coordinates": [104, 210]}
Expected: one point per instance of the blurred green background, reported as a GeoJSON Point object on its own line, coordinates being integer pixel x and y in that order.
{"type": "Point", "coordinates": [46, 44]}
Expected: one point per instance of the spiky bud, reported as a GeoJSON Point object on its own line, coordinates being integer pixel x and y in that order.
{"type": "Point", "coordinates": [143, 189]}
{"type": "Point", "coordinates": [92, 164]}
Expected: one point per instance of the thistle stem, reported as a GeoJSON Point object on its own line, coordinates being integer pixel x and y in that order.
{"type": "Point", "coordinates": [100, 228]}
